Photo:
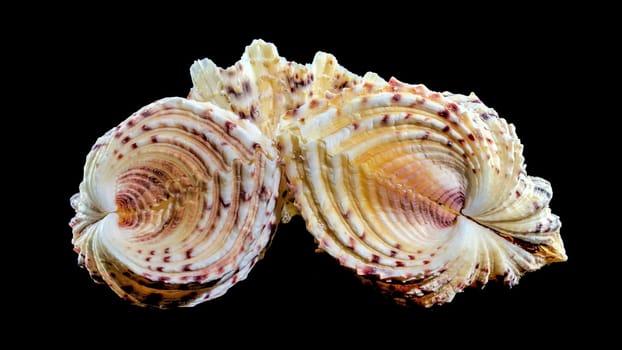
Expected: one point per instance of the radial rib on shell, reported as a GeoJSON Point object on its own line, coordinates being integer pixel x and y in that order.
{"type": "Point", "coordinates": [421, 192]}
{"type": "Point", "coordinates": [177, 203]}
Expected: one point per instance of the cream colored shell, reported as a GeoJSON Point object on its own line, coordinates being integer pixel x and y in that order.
{"type": "Point", "coordinates": [420, 193]}
{"type": "Point", "coordinates": [177, 203]}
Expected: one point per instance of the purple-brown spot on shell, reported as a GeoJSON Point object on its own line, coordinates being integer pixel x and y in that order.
{"type": "Point", "coordinates": [229, 126]}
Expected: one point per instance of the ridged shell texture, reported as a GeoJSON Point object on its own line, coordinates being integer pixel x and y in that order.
{"type": "Point", "coordinates": [418, 192]}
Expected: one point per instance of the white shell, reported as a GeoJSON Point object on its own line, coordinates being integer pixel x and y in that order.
{"type": "Point", "coordinates": [424, 193]}
{"type": "Point", "coordinates": [177, 203]}
{"type": "Point", "coordinates": [421, 193]}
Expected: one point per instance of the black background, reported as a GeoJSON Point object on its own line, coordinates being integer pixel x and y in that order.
{"type": "Point", "coordinates": [99, 71]}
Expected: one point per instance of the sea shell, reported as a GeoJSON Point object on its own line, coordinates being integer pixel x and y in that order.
{"type": "Point", "coordinates": [423, 193]}
{"type": "Point", "coordinates": [177, 204]}
{"type": "Point", "coordinates": [420, 193]}
{"type": "Point", "coordinates": [262, 86]}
